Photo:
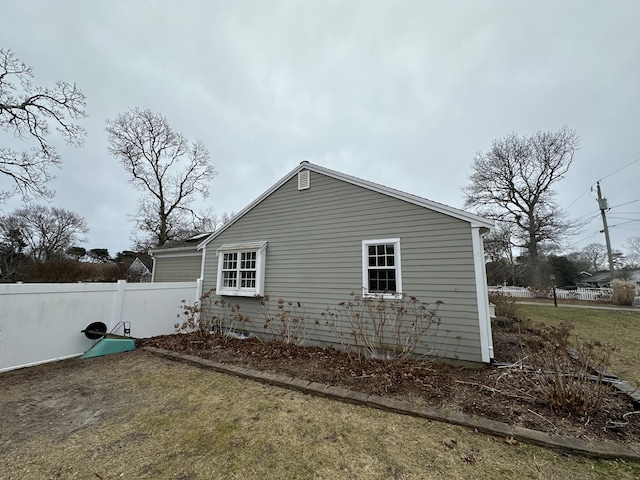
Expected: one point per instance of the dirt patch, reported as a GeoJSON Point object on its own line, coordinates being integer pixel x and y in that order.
{"type": "Point", "coordinates": [61, 408]}
{"type": "Point", "coordinates": [136, 415]}
{"type": "Point", "coordinates": [504, 394]}
{"type": "Point", "coordinates": [60, 402]}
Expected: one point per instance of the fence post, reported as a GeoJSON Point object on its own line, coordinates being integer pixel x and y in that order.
{"type": "Point", "coordinates": [118, 303]}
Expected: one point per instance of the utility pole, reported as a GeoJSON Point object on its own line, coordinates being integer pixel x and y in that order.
{"type": "Point", "coordinates": [602, 204]}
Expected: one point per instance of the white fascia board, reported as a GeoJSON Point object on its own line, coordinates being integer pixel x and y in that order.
{"type": "Point", "coordinates": [176, 253]}
{"type": "Point", "coordinates": [250, 207]}
{"type": "Point", "coordinates": [160, 251]}
{"type": "Point", "coordinates": [257, 245]}
{"type": "Point", "coordinates": [474, 220]}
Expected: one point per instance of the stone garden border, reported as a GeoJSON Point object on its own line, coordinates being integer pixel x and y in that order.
{"type": "Point", "coordinates": [595, 449]}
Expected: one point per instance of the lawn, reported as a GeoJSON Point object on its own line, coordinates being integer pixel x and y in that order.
{"type": "Point", "coordinates": [618, 327]}
{"type": "Point", "coordinates": [133, 415]}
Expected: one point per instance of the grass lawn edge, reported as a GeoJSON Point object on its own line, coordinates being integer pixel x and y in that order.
{"type": "Point", "coordinates": [605, 450]}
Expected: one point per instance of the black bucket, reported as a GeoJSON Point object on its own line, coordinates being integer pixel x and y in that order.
{"type": "Point", "coordinates": [95, 330]}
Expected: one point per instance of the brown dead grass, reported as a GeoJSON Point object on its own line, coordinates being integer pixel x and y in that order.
{"type": "Point", "coordinates": [133, 415]}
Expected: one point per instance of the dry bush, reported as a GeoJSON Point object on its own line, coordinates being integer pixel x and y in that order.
{"type": "Point", "coordinates": [289, 323]}
{"type": "Point", "coordinates": [381, 328]}
{"type": "Point", "coordinates": [505, 304]}
{"type": "Point", "coordinates": [71, 271]}
{"type": "Point", "coordinates": [624, 292]}
{"type": "Point", "coordinates": [210, 315]}
{"type": "Point", "coordinates": [569, 377]}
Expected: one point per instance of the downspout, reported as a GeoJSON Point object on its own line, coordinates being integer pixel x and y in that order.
{"type": "Point", "coordinates": [153, 268]}
{"type": "Point", "coordinates": [204, 256]}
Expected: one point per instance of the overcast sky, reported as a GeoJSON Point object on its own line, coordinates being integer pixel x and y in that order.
{"type": "Point", "coordinates": [402, 93]}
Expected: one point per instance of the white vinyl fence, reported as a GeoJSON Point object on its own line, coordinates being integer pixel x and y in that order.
{"type": "Point", "coordinates": [587, 294]}
{"type": "Point", "coordinates": [42, 322]}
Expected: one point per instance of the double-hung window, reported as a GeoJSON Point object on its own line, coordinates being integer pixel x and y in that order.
{"type": "Point", "coordinates": [381, 272]}
{"type": "Point", "coordinates": [241, 269]}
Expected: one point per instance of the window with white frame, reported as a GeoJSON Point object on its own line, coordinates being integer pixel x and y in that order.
{"type": "Point", "coordinates": [241, 269]}
{"type": "Point", "coordinates": [381, 272]}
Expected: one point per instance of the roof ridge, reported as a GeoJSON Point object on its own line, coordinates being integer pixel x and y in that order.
{"type": "Point", "coordinates": [472, 218]}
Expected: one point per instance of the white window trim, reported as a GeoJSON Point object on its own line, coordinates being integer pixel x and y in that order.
{"type": "Point", "coordinates": [365, 268]}
{"type": "Point", "coordinates": [260, 248]}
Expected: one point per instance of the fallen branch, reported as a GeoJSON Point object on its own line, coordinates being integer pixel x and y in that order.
{"type": "Point", "coordinates": [495, 390]}
{"type": "Point", "coordinates": [543, 418]}
{"type": "Point", "coordinates": [613, 424]}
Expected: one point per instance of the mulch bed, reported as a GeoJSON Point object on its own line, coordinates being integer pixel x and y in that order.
{"type": "Point", "coordinates": [508, 395]}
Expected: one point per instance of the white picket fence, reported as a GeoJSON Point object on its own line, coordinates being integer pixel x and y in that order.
{"type": "Point", "coordinates": [587, 294]}
{"type": "Point", "coordinates": [42, 322]}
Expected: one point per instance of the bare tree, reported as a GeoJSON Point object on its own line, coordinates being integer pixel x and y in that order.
{"type": "Point", "coordinates": [498, 249]}
{"type": "Point", "coordinates": [12, 246]}
{"type": "Point", "coordinates": [512, 183]}
{"type": "Point", "coordinates": [170, 171]}
{"type": "Point", "coordinates": [25, 112]}
{"type": "Point", "coordinates": [595, 254]}
{"type": "Point", "coordinates": [632, 245]}
{"type": "Point", "coordinates": [46, 232]}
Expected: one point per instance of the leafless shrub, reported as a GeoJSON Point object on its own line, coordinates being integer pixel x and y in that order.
{"type": "Point", "coordinates": [624, 292]}
{"type": "Point", "coordinates": [569, 377]}
{"type": "Point", "coordinates": [210, 315]}
{"type": "Point", "coordinates": [505, 304]}
{"type": "Point", "coordinates": [381, 328]}
{"type": "Point", "coordinates": [540, 292]}
{"type": "Point", "coordinates": [289, 323]}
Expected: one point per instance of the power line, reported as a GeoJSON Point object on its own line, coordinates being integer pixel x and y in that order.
{"type": "Point", "coordinates": [581, 195]}
{"type": "Point", "coordinates": [587, 222]}
{"type": "Point", "coordinates": [622, 168]}
{"type": "Point", "coordinates": [583, 239]}
{"type": "Point", "coordinates": [623, 204]}
{"type": "Point", "coordinates": [625, 223]}
{"type": "Point", "coordinates": [595, 214]}
{"type": "Point", "coordinates": [590, 188]}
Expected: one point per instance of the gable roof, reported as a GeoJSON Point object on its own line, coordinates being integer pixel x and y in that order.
{"type": "Point", "coordinates": [474, 220]}
{"type": "Point", "coordinates": [187, 244]}
{"type": "Point", "coordinates": [128, 258]}
{"type": "Point", "coordinates": [143, 264]}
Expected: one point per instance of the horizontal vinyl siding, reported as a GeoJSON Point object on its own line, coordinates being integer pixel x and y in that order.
{"type": "Point", "coordinates": [314, 255]}
{"type": "Point", "coordinates": [178, 269]}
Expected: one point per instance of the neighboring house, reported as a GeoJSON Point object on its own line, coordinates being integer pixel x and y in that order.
{"type": "Point", "coordinates": [603, 279]}
{"type": "Point", "coordinates": [595, 280]}
{"type": "Point", "coordinates": [137, 266]}
{"type": "Point", "coordinates": [179, 261]}
{"type": "Point", "coordinates": [140, 269]}
{"type": "Point", "coordinates": [318, 235]}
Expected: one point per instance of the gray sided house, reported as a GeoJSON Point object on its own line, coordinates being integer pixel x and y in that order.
{"type": "Point", "coordinates": [318, 235]}
{"type": "Point", "coordinates": [179, 261]}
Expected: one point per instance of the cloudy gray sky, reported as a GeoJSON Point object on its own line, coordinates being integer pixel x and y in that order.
{"type": "Point", "coordinates": [403, 93]}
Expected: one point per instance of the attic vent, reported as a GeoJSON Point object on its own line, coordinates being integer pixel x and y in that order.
{"type": "Point", "coordinates": [303, 180]}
